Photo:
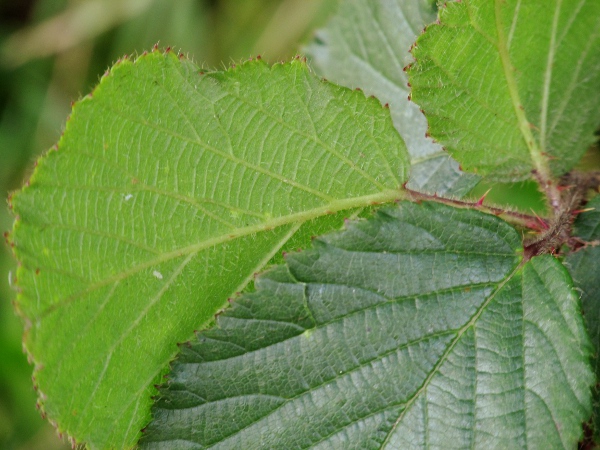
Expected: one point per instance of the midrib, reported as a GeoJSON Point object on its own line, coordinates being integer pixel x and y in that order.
{"type": "Point", "coordinates": [385, 196]}
{"type": "Point", "coordinates": [539, 162]}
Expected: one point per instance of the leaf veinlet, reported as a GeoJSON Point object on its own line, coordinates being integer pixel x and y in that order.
{"type": "Point", "coordinates": [184, 186]}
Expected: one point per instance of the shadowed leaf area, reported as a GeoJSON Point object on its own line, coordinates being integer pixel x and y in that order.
{"type": "Point", "coordinates": [420, 327]}
{"type": "Point", "coordinates": [583, 266]}
{"type": "Point", "coordinates": [366, 45]}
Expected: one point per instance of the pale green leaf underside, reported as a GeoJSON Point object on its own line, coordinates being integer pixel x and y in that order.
{"type": "Point", "coordinates": [584, 268]}
{"type": "Point", "coordinates": [419, 328]}
{"type": "Point", "coordinates": [511, 86]}
{"type": "Point", "coordinates": [366, 45]}
{"type": "Point", "coordinates": [168, 191]}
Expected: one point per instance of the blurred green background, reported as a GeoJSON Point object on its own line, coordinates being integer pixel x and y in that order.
{"type": "Point", "coordinates": [52, 52]}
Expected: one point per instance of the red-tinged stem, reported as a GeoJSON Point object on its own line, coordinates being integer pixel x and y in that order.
{"type": "Point", "coordinates": [567, 197]}
{"type": "Point", "coordinates": [524, 220]}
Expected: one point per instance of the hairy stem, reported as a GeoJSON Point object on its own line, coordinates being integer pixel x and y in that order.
{"type": "Point", "coordinates": [550, 189]}
{"type": "Point", "coordinates": [572, 189]}
{"type": "Point", "coordinates": [536, 151]}
{"type": "Point", "coordinates": [516, 218]}
{"type": "Point", "coordinates": [569, 194]}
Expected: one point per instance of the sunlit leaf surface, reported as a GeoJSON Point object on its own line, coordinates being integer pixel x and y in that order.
{"type": "Point", "coordinates": [168, 191]}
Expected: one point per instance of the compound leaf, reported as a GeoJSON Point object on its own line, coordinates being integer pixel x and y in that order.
{"type": "Point", "coordinates": [511, 86]}
{"type": "Point", "coordinates": [419, 328]}
{"type": "Point", "coordinates": [583, 266]}
{"type": "Point", "coordinates": [168, 190]}
{"type": "Point", "coordinates": [366, 45]}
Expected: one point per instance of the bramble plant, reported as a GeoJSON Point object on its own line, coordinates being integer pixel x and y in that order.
{"type": "Point", "coordinates": [429, 322]}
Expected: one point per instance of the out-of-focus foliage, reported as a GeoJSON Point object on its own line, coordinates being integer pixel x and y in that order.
{"type": "Point", "coordinates": [51, 53]}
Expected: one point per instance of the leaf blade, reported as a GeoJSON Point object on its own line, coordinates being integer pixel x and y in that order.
{"type": "Point", "coordinates": [168, 191]}
{"type": "Point", "coordinates": [505, 87]}
{"type": "Point", "coordinates": [583, 267]}
{"type": "Point", "coordinates": [364, 340]}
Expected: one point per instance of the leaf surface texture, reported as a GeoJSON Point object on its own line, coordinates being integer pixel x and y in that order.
{"type": "Point", "coordinates": [418, 328]}
{"type": "Point", "coordinates": [511, 86]}
{"type": "Point", "coordinates": [583, 266]}
{"type": "Point", "coordinates": [168, 190]}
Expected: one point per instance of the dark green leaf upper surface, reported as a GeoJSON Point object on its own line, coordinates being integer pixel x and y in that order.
{"type": "Point", "coordinates": [168, 190]}
{"type": "Point", "coordinates": [511, 86]}
{"type": "Point", "coordinates": [366, 45]}
{"type": "Point", "coordinates": [585, 270]}
{"type": "Point", "coordinates": [418, 328]}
